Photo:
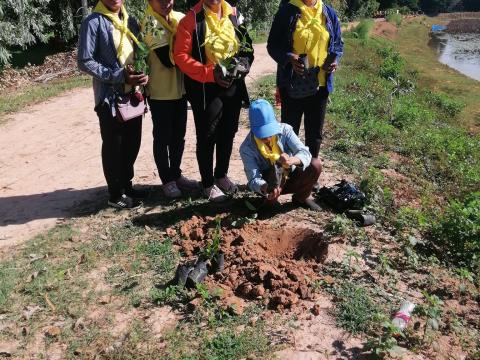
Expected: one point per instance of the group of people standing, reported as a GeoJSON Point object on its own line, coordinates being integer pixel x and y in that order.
{"type": "Point", "coordinates": [189, 60]}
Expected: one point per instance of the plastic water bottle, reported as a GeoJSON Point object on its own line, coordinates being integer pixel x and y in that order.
{"type": "Point", "coordinates": [402, 317]}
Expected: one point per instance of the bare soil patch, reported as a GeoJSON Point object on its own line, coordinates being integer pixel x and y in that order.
{"type": "Point", "coordinates": [464, 26]}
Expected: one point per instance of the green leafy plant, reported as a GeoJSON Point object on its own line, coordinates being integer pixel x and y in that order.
{"type": "Point", "coordinates": [350, 256]}
{"type": "Point", "coordinates": [385, 344]}
{"type": "Point", "coordinates": [213, 248]}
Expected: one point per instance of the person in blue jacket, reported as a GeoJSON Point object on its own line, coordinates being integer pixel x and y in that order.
{"type": "Point", "coordinates": [310, 29]}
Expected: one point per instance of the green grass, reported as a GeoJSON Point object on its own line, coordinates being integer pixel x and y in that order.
{"type": "Point", "coordinates": [395, 19]}
{"type": "Point", "coordinates": [18, 100]}
{"type": "Point", "coordinates": [412, 43]}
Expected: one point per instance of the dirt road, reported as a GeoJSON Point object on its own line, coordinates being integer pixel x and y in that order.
{"type": "Point", "coordinates": [50, 165]}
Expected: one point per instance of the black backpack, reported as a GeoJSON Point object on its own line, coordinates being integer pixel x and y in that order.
{"type": "Point", "coordinates": [342, 196]}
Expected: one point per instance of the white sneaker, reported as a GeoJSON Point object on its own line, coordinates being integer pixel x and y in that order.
{"type": "Point", "coordinates": [213, 193]}
{"type": "Point", "coordinates": [184, 183]}
{"type": "Point", "coordinates": [171, 190]}
{"type": "Point", "coordinates": [227, 185]}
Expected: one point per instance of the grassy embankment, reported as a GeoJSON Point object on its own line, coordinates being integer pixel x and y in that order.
{"type": "Point", "coordinates": [18, 99]}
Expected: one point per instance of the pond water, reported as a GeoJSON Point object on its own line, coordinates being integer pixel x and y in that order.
{"type": "Point", "coordinates": [459, 51]}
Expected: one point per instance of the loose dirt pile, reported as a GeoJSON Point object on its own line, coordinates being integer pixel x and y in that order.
{"type": "Point", "coordinates": [272, 263]}
{"type": "Point", "coordinates": [464, 26]}
{"type": "Point", "coordinates": [56, 66]}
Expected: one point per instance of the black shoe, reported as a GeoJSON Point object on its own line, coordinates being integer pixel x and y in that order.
{"type": "Point", "coordinates": [124, 202]}
{"type": "Point", "coordinates": [137, 193]}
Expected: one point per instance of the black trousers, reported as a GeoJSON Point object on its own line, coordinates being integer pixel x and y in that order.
{"type": "Point", "coordinates": [169, 126]}
{"type": "Point", "coordinates": [216, 126]}
{"type": "Point", "coordinates": [313, 108]}
{"type": "Point", "coordinates": [120, 146]}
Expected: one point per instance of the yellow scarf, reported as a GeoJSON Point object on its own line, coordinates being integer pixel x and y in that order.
{"type": "Point", "coordinates": [220, 40]}
{"type": "Point", "coordinates": [120, 25]}
{"type": "Point", "coordinates": [269, 152]}
{"type": "Point", "coordinates": [171, 27]}
{"type": "Point", "coordinates": [311, 35]}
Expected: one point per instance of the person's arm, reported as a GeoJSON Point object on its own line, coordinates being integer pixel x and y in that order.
{"type": "Point", "coordinates": [337, 30]}
{"type": "Point", "coordinates": [277, 44]}
{"type": "Point", "coordinates": [87, 45]}
{"type": "Point", "coordinates": [298, 149]}
{"type": "Point", "coordinates": [252, 171]}
{"type": "Point", "coordinates": [182, 53]}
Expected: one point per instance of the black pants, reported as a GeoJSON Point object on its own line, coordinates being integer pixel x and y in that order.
{"type": "Point", "coordinates": [216, 126]}
{"type": "Point", "coordinates": [169, 126]}
{"type": "Point", "coordinates": [120, 146]}
{"type": "Point", "coordinates": [314, 108]}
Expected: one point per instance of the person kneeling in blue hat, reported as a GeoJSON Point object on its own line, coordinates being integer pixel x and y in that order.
{"type": "Point", "coordinates": [276, 161]}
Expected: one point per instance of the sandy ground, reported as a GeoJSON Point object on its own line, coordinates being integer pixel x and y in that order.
{"type": "Point", "coordinates": [50, 165]}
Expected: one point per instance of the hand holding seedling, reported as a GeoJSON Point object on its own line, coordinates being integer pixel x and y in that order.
{"type": "Point", "coordinates": [133, 78]}
{"type": "Point", "coordinates": [219, 77]}
{"type": "Point", "coordinates": [297, 65]}
{"type": "Point", "coordinates": [272, 195]}
{"type": "Point", "coordinates": [287, 161]}
{"type": "Point", "coordinates": [332, 68]}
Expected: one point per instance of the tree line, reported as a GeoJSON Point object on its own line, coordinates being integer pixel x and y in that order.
{"type": "Point", "coordinates": [27, 22]}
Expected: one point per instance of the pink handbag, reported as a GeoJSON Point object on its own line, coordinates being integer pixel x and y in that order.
{"type": "Point", "coordinates": [128, 107]}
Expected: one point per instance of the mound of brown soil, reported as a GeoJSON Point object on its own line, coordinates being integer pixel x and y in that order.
{"type": "Point", "coordinates": [272, 263]}
{"type": "Point", "coordinates": [464, 26]}
{"type": "Point", "coordinates": [385, 29]}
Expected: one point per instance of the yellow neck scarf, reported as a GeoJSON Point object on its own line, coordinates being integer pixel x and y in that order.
{"type": "Point", "coordinates": [269, 152]}
{"type": "Point", "coordinates": [120, 25]}
{"type": "Point", "coordinates": [310, 21]}
{"type": "Point", "coordinates": [220, 40]}
{"type": "Point", "coordinates": [171, 27]}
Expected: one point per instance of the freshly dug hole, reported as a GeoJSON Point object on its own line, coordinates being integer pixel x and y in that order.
{"type": "Point", "coordinates": [263, 261]}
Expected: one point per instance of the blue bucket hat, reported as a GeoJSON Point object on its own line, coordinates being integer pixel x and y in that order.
{"type": "Point", "coordinates": [262, 119]}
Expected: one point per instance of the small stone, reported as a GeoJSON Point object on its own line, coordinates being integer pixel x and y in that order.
{"type": "Point", "coordinates": [171, 232]}
{"type": "Point", "coordinates": [257, 291]}
{"type": "Point", "coordinates": [196, 234]}
{"type": "Point", "coordinates": [194, 304]}
{"type": "Point", "coordinates": [316, 309]}
{"type": "Point", "coordinates": [105, 299]}
{"type": "Point", "coordinates": [329, 279]}
{"type": "Point", "coordinates": [79, 324]}
{"type": "Point", "coordinates": [305, 292]}
{"type": "Point", "coordinates": [53, 331]}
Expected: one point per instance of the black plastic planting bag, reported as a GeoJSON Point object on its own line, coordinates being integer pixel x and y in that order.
{"type": "Point", "coordinates": [342, 196]}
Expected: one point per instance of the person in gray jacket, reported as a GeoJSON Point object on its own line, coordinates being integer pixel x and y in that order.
{"type": "Point", "coordinates": [276, 161]}
{"type": "Point", "coordinates": [105, 51]}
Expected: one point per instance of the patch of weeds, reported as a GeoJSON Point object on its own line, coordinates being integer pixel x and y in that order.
{"type": "Point", "coordinates": [432, 310]}
{"type": "Point", "coordinates": [363, 29]}
{"type": "Point", "coordinates": [8, 279]}
{"type": "Point", "coordinates": [395, 19]}
{"type": "Point", "coordinates": [385, 344]}
{"type": "Point", "coordinates": [355, 311]}
{"type": "Point", "coordinates": [457, 232]}
{"type": "Point", "coordinates": [265, 88]}
{"type": "Point", "coordinates": [408, 218]}
{"type": "Point", "coordinates": [445, 103]}
{"type": "Point", "coordinates": [350, 261]}
{"type": "Point", "coordinates": [120, 236]}
{"type": "Point", "coordinates": [381, 161]}
{"type": "Point", "coordinates": [380, 198]}
{"type": "Point", "coordinates": [384, 264]}
{"type": "Point", "coordinates": [162, 256]}
{"type": "Point", "coordinates": [171, 295]}
{"type": "Point", "coordinates": [340, 225]}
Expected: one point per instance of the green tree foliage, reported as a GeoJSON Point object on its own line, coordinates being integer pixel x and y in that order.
{"type": "Point", "coordinates": [361, 8]}
{"type": "Point", "coordinates": [471, 5]}
{"type": "Point", "coordinates": [22, 23]}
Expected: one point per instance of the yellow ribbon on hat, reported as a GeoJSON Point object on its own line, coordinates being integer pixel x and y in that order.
{"type": "Point", "coordinates": [120, 25]}
{"type": "Point", "coordinates": [220, 39]}
{"type": "Point", "coordinates": [170, 26]}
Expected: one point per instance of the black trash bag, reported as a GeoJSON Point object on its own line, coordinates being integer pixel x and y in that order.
{"type": "Point", "coordinates": [360, 217]}
{"type": "Point", "coordinates": [182, 273]}
{"type": "Point", "coordinates": [197, 275]}
{"type": "Point", "coordinates": [218, 263]}
{"type": "Point", "coordinates": [342, 196]}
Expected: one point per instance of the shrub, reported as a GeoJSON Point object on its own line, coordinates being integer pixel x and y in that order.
{"type": "Point", "coordinates": [356, 312]}
{"type": "Point", "coordinates": [446, 104]}
{"type": "Point", "coordinates": [363, 29]}
{"type": "Point", "coordinates": [456, 232]}
{"type": "Point", "coordinates": [392, 64]}
{"type": "Point", "coordinates": [395, 19]}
